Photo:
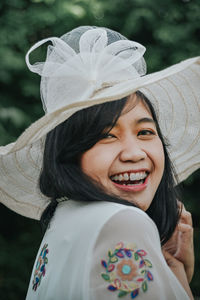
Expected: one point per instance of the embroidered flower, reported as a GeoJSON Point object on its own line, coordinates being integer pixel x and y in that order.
{"type": "Point", "coordinates": [127, 270]}
{"type": "Point", "coordinates": [40, 269]}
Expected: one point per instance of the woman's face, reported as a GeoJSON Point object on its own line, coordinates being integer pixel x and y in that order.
{"type": "Point", "coordinates": [129, 161]}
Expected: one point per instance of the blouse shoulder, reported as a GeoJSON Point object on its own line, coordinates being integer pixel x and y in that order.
{"type": "Point", "coordinates": [127, 261]}
{"type": "Point", "coordinates": [94, 251]}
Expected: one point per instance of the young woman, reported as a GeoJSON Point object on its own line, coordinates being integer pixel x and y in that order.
{"type": "Point", "coordinates": [106, 173]}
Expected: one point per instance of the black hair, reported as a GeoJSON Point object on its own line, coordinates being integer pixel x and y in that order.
{"type": "Point", "coordinates": [61, 173]}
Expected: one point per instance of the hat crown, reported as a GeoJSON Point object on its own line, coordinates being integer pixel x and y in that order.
{"type": "Point", "coordinates": [70, 71]}
{"type": "Point", "coordinates": [84, 61]}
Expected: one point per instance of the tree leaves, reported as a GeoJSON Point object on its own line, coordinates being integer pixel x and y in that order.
{"type": "Point", "coordinates": [169, 29]}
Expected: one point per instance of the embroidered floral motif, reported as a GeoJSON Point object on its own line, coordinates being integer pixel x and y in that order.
{"type": "Point", "coordinates": [40, 267]}
{"type": "Point", "coordinates": [127, 270]}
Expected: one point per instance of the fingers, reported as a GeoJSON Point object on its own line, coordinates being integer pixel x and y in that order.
{"type": "Point", "coordinates": [172, 243]}
{"type": "Point", "coordinates": [185, 252]}
{"type": "Point", "coordinates": [186, 233]}
{"type": "Point", "coordinates": [185, 216]}
{"type": "Point", "coordinates": [170, 259]}
{"type": "Point", "coordinates": [185, 228]}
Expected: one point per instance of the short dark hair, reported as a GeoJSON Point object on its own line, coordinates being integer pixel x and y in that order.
{"type": "Point", "coordinates": [62, 175]}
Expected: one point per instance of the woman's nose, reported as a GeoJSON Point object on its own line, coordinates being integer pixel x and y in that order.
{"type": "Point", "coordinates": [132, 151]}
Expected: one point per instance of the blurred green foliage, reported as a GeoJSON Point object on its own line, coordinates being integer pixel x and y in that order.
{"type": "Point", "coordinates": [169, 29]}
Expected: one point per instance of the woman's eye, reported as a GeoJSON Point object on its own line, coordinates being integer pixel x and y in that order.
{"type": "Point", "coordinates": [109, 136]}
{"type": "Point", "coordinates": [146, 132]}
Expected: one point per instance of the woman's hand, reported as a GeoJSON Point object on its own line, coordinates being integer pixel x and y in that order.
{"type": "Point", "coordinates": [180, 245]}
{"type": "Point", "coordinates": [177, 268]}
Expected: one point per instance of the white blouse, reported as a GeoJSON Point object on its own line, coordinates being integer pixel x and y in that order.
{"type": "Point", "coordinates": [101, 250]}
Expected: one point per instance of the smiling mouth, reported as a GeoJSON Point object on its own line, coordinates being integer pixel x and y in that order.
{"type": "Point", "coordinates": [130, 178]}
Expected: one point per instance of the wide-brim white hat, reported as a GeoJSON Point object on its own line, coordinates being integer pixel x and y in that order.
{"type": "Point", "coordinates": [90, 66]}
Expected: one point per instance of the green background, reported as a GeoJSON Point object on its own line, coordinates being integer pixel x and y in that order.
{"type": "Point", "coordinates": [170, 29]}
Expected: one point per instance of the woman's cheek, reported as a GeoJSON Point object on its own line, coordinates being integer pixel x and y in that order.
{"type": "Point", "coordinates": [97, 161]}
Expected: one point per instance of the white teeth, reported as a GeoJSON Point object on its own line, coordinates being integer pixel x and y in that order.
{"type": "Point", "coordinates": [126, 176]}
{"type": "Point", "coordinates": [131, 176]}
{"type": "Point", "coordinates": [137, 176]}
{"type": "Point", "coordinates": [121, 177]}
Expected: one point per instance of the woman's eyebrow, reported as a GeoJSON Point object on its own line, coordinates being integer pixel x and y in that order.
{"type": "Point", "coordinates": [145, 120]}
{"type": "Point", "coordinates": [138, 121]}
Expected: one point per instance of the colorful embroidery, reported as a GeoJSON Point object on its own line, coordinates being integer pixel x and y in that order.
{"type": "Point", "coordinates": [127, 270]}
{"type": "Point", "coordinates": [40, 267]}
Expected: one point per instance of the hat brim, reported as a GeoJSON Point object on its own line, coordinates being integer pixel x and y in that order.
{"type": "Point", "coordinates": [175, 95]}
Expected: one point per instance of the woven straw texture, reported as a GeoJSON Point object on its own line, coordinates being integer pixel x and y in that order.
{"type": "Point", "coordinates": [175, 95]}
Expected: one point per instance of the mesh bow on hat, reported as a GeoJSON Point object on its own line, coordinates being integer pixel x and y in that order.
{"type": "Point", "coordinates": [90, 66]}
